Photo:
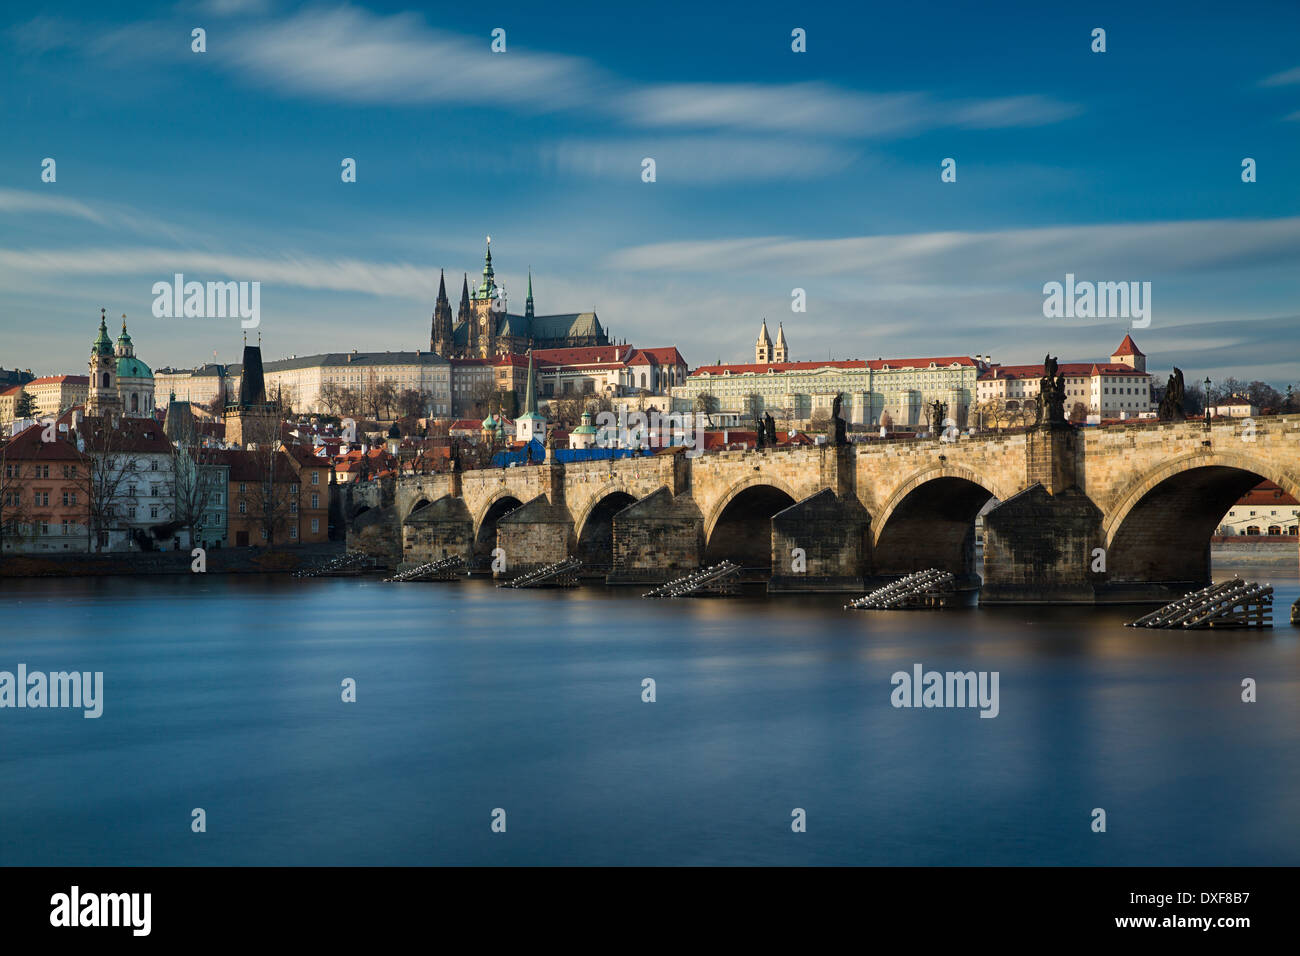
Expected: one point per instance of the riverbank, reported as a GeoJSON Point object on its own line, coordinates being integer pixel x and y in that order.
{"type": "Point", "coordinates": [217, 560]}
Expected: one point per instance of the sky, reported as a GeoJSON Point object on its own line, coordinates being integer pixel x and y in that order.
{"type": "Point", "coordinates": [775, 170]}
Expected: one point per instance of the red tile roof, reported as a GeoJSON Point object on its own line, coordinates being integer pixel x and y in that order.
{"type": "Point", "coordinates": [1267, 493]}
{"type": "Point", "coordinates": [876, 365]}
{"type": "Point", "coordinates": [66, 379]}
{"type": "Point", "coordinates": [1128, 347]}
{"type": "Point", "coordinates": [28, 446]}
{"type": "Point", "coordinates": [1068, 369]}
{"type": "Point", "coordinates": [589, 355]}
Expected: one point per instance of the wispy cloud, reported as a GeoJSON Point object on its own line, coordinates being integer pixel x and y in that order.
{"type": "Point", "coordinates": [347, 54]}
{"type": "Point", "coordinates": [24, 201]}
{"type": "Point", "coordinates": [1285, 78]}
{"type": "Point", "coordinates": [699, 159]}
{"type": "Point", "coordinates": [303, 272]}
{"type": "Point", "coordinates": [1137, 250]}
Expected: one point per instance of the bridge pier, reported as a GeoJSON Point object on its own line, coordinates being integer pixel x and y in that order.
{"type": "Point", "coordinates": [821, 543]}
{"type": "Point", "coordinates": [657, 538]}
{"type": "Point", "coordinates": [441, 529]}
{"type": "Point", "coordinates": [1038, 549]}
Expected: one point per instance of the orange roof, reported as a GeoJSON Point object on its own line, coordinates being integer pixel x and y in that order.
{"type": "Point", "coordinates": [1069, 369]}
{"type": "Point", "coordinates": [1267, 493]}
{"type": "Point", "coordinates": [589, 355]}
{"type": "Point", "coordinates": [65, 379]}
{"type": "Point", "coordinates": [1128, 347]}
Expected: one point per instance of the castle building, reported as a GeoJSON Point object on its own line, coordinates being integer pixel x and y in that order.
{"type": "Point", "coordinates": [120, 384]}
{"type": "Point", "coordinates": [484, 328]}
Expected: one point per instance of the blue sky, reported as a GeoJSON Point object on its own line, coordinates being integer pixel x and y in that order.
{"type": "Point", "coordinates": [775, 170]}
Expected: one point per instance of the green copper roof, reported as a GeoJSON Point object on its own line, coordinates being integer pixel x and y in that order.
{"type": "Point", "coordinates": [102, 345]}
{"type": "Point", "coordinates": [128, 367]}
{"type": "Point", "coordinates": [124, 339]}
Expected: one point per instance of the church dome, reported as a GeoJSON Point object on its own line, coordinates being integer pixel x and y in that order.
{"type": "Point", "coordinates": [131, 367]}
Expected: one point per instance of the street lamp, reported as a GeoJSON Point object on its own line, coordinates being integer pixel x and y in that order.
{"type": "Point", "coordinates": [1207, 399]}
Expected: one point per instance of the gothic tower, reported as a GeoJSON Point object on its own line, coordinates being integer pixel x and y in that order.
{"type": "Point", "coordinates": [251, 419]}
{"type": "Point", "coordinates": [528, 305]}
{"type": "Point", "coordinates": [763, 347]}
{"type": "Point", "coordinates": [440, 333]}
{"type": "Point", "coordinates": [466, 316]}
{"type": "Point", "coordinates": [103, 399]}
{"type": "Point", "coordinates": [485, 315]}
{"type": "Point", "coordinates": [780, 353]}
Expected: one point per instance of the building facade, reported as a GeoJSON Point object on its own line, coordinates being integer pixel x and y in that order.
{"type": "Point", "coordinates": [889, 393]}
{"type": "Point", "coordinates": [1118, 389]}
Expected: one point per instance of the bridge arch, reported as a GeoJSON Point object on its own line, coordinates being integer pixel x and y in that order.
{"type": "Point", "coordinates": [595, 528]}
{"type": "Point", "coordinates": [739, 526]}
{"type": "Point", "coordinates": [1160, 527]}
{"type": "Point", "coordinates": [494, 509]}
{"type": "Point", "coordinates": [929, 521]}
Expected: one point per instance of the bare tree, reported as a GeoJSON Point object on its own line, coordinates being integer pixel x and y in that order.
{"type": "Point", "coordinates": [331, 397]}
{"type": "Point", "coordinates": [269, 501]}
{"type": "Point", "coordinates": [15, 515]}
{"type": "Point", "coordinates": [706, 404]}
{"type": "Point", "coordinates": [110, 478]}
{"type": "Point", "coordinates": [196, 478]}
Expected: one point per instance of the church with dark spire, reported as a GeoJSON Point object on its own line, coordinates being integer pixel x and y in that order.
{"type": "Point", "coordinates": [485, 328]}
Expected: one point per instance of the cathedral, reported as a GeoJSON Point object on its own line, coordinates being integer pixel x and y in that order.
{"type": "Point", "coordinates": [483, 327]}
{"type": "Point", "coordinates": [120, 384]}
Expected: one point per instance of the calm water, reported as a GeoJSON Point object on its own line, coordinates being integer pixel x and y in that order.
{"type": "Point", "coordinates": [224, 693]}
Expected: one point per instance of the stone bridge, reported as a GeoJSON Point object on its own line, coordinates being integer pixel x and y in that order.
{"type": "Point", "coordinates": [1079, 516]}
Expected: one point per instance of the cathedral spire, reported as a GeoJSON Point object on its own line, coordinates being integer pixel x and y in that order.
{"type": "Point", "coordinates": [528, 305]}
{"type": "Point", "coordinates": [763, 347]}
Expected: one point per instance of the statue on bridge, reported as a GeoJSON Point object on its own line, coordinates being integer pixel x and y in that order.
{"type": "Point", "coordinates": [1051, 394]}
{"type": "Point", "coordinates": [938, 412]}
{"type": "Point", "coordinates": [1171, 406]}
{"type": "Point", "coordinates": [769, 428]}
{"type": "Point", "coordinates": [760, 433]}
{"type": "Point", "coordinates": [837, 434]}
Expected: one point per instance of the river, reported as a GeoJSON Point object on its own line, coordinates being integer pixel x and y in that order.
{"type": "Point", "coordinates": [224, 693]}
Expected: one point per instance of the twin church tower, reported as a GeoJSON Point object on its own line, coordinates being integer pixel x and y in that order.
{"type": "Point", "coordinates": [484, 328]}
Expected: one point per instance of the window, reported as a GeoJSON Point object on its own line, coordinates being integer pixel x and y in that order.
{"type": "Point", "coordinates": [42, 499]}
{"type": "Point", "coordinates": [315, 479]}
{"type": "Point", "coordinates": [153, 490]}
{"type": "Point", "coordinates": [293, 531]}
{"type": "Point", "coordinates": [153, 511]}
{"type": "Point", "coordinates": [1274, 529]}
{"type": "Point", "coordinates": [315, 525]}
{"type": "Point", "coordinates": [67, 527]}
{"type": "Point", "coordinates": [315, 501]}
{"type": "Point", "coordinates": [69, 471]}
{"type": "Point", "coordinates": [153, 465]}
{"type": "Point", "coordinates": [130, 512]}
{"type": "Point", "coordinates": [45, 527]}
{"type": "Point", "coordinates": [293, 489]}
{"type": "Point", "coordinates": [130, 491]}
{"type": "Point", "coordinates": [243, 486]}
{"type": "Point", "coordinates": [1253, 529]}
{"type": "Point", "coordinates": [243, 508]}
{"type": "Point", "coordinates": [293, 507]}
{"type": "Point", "coordinates": [263, 534]}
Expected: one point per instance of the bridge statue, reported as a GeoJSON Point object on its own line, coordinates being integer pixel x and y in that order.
{"type": "Point", "coordinates": [838, 432]}
{"type": "Point", "coordinates": [1051, 394]}
{"type": "Point", "coordinates": [760, 432]}
{"type": "Point", "coordinates": [938, 412]}
{"type": "Point", "coordinates": [1171, 406]}
{"type": "Point", "coordinates": [769, 426]}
